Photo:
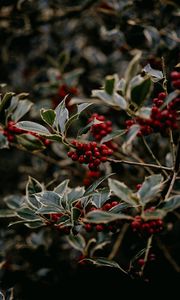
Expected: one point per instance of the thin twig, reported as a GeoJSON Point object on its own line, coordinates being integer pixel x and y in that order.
{"type": "Point", "coordinates": [170, 186]}
{"type": "Point", "coordinates": [118, 242]}
{"type": "Point", "coordinates": [140, 164]}
{"type": "Point", "coordinates": [153, 156]}
{"type": "Point", "coordinates": [173, 152]}
{"type": "Point", "coordinates": [168, 256]}
{"type": "Point", "coordinates": [164, 74]}
{"type": "Point", "coordinates": [148, 247]}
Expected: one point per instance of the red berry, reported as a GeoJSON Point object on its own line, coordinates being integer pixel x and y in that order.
{"type": "Point", "coordinates": [175, 75]}
{"type": "Point", "coordinates": [141, 262]}
{"type": "Point", "coordinates": [99, 227]}
{"type": "Point", "coordinates": [107, 206]}
{"type": "Point", "coordinates": [88, 227]}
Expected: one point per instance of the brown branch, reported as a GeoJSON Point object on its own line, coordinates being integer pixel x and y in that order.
{"type": "Point", "coordinates": [148, 247]}
{"type": "Point", "coordinates": [118, 242]}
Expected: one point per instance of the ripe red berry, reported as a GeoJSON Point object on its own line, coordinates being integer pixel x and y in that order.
{"type": "Point", "coordinates": [141, 262]}
{"type": "Point", "coordinates": [88, 227]}
{"type": "Point", "coordinates": [99, 227]}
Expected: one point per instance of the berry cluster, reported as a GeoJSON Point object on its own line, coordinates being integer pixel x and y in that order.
{"type": "Point", "coordinates": [100, 130]}
{"type": "Point", "coordinates": [141, 261]}
{"type": "Point", "coordinates": [175, 77]}
{"type": "Point", "coordinates": [159, 119]}
{"type": "Point", "coordinates": [11, 131]}
{"type": "Point", "coordinates": [90, 153]}
{"type": "Point", "coordinates": [146, 227]}
{"type": "Point", "coordinates": [90, 177]}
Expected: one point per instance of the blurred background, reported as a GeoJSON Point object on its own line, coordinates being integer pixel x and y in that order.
{"type": "Point", "coordinates": [50, 48]}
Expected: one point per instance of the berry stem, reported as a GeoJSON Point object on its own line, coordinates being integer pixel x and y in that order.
{"type": "Point", "coordinates": [153, 156]}
{"type": "Point", "coordinates": [163, 168]}
{"type": "Point", "coordinates": [148, 247]}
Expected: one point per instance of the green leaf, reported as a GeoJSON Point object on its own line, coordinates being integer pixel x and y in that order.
{"type": "Point", "coordinates": [131, 135]}
{"type": "Point", "coordinates": [119, 101]}
{"type": "Point", "coordinates": [48, 116]}
{"type": "Point", "coordinates": [81, 107]}
{"type": "Point", "coordinates": [104, 262]}
{"type": "Point", "coordinates": [62, 188]}
{"type": "Point", "coordinates": [27, 214]}
{"type": "Point", "coordinates": [62, 115]}
{"type": "Point", "coordinates": [77, 242]}
{"type": "Point", "coordinates": [150, 188]}
{"type": "Point", "coordinates": [34, 224]}
{"type": "Point", "coordinates": [110, 84]}
{"type": "Point", "coordinates": [171, 203]}
{"type": "Point", "coordinates": [133, 67]}
{"type": "Point", "coordinates": [30, 142]}
{"type": "Point", "coordinates": [155, 214]}
{"type": "Point", "coordinates": [119, 208]}
{"type": "Point", "coordinates": [49, 198]}
{"type": "Point", "coordinates": [3, 141]}
{"type": "Point", "coordinates": [114, 134]}
{"type": "Point", "coordinates": [33, 127]}
{"type": "Point", "coordinates": [22, 108]}
{"type": "Point", "coordinates": [95, 184]}
{"type": "Point", "coordinates": [7, 213]}
{"type": "Point", "coordinates": [121, 191]}
{"type": "Point", "coordinates": [75, 194]}
{"type": "Point", "coordinates": [101, 197]}
{"type": "Point", "coordinates": [75, 214]}
{"type": "Point", "coordinates": [48, 209]}
{"type": "Point", "coordinates": [13, 201]}
{"type": "Point", "coordinates": [155, 75]}
{"type": "Point", "coordinates": [101, 94]}
{"type": "Point", "coordinates": [86, 128]}
{"type": "Point", "coordinates": [140, 91]}
{"type": "Point", "coordinates": [104, 217]}
{"type": "Point", "coordinates": [169, 98]}
{"type": "Point", "coordinates": [5, 101]}
{"type": "Point", "coordinates": [32, 187]}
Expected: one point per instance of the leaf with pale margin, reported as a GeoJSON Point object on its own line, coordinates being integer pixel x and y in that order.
{"type": "Point", "coordinates": [62, 188]}
{"type": "Point", "coordinates": [77, 242]}
{"type": "Point", "coordinates": [110, 83]}
{"type": "Point", "coordinates": [140, 91]}
{"type": "Point", "coordinates": [62, 115]}
{"type": "Point", "coordinates": [99, 216]}
{"type": "Point", "coordinates": [44, 210]}
{"type": "Point", "coordinates": [119, 208]}
{"type": "Point", "coordinates": [133, 67]}
{"type": "Point", "coordinates": [48, 116]}
{"type": "Point", "coordinates": [95, 184]}
{"type": "Point", "coordinates": [30, 142]}
{"type": "Point", "coordinates": [104, 262]}
{"type": "Point", "coordinates": [33, 127]}
{"type": "Point", "coordinates": [155, 75]}
{"type": "Point", "coordinates": [49, 198]}
{"type": "Point", "coordinates": [131, 135]}
{"type": "Point", "coordinates": [101, 197]}
{"type": "Point", "coordinates": [121, 191]}
{"type": "Point", "coordinates": [13, 201]}
{"type": "Point", "coordinates": [171, 203]}
{"type": "Point", "coordinates": [114, 134]}
{"type": "Point", "coordinates": [101, 94]}
{"type": "Point", "coordinates": [7, 213]}
{"type": "Point", "coordinates": [27, 214]}
{"type": "Point", "coordinates": [120, 101]}
{"type": "Point", "coordinates": [82, 106]}
{"type": "Point", "coordinates": [22, 108]}
{"type": "Point", "coordinates": [75, 194]}
{"type": "Point", "coordinates": [153, 215]}
{"type": "Point", "coordinates": [2, 296]}
{"type": "Point", "coordinates": [150, 188]}
{"type": "Point", "coordinates": [33, 187]}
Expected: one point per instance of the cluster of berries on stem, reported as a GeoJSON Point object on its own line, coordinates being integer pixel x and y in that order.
{"type": "Point", "coordinates": [90, 153]}
{"type": "Point", "coordinates": [146, 227]}
{"type": "Point", "coordinates": [160, 119]}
